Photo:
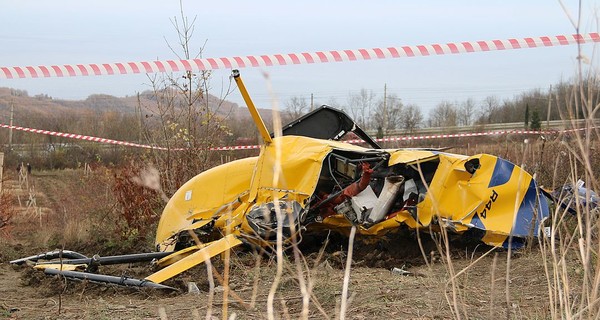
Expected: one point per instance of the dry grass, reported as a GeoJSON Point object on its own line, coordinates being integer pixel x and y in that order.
{"type": "Point", "coordinates": [557, 278]}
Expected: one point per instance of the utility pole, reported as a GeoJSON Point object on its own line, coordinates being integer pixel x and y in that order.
{"type": "Point", "coordinates": [385, 115]}
{"type": "Point", "coordinates": [139, 116]}
{"type": "Point", "coordinates": [1, 169]}
{"type": "Point", "coordinates": [549, 106]}
{"type": "Point", "coordinates": [312, 101]}
{"type": "Point", "coordinates": [10, 133]}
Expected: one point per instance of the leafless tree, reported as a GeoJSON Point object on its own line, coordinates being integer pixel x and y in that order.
{"type": "Point", "coordinates": [488, 109]}
{"type": "Point", "coordinates": [295, 108]}
{"type": "Point", "coordinates": [183, 116]}
{"type": "Point", "coordinates": [388, 113]}
{"type": "Point", "coordinates": [443, 115]}
{"type": "Point", "coordinates": [466, 112]}
{"type": "Point", "coordinates": [360, 106]}
{"type": "Point", "coordinates": [412, 118]}
{"type": "Point", "coordinates": [332, 102]}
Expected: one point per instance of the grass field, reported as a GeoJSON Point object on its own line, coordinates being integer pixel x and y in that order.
{"type": "Point", "coordinates": [76, 210]}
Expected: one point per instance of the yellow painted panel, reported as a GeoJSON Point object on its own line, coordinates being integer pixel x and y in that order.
{"type": "Point", "coordinates": [339, 223]}
{"type": "Point", "coordinates": [384, 226]}
{"type": "Point", "coordinates": [212, 249]}
{"type": "Point", "coordinates": [456, 195]}
{"type": "Point", "coordinates": [203, 195]}
{"type": "Point", "coordinates": [408, 156]}
{"type": "Point", "coordinates": [494, 239]}
{"type": "Point", "coordinates": [299, 160]}
{"type": "Point", "coordinates": [176, 256]}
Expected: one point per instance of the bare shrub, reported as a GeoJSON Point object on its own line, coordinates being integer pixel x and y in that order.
{"type": "Point", "coordinates": [7, 211]}
{"type": "Point", "coordinates": [183, 117]}
{"type": "Point", "coordinates": [138, 206]}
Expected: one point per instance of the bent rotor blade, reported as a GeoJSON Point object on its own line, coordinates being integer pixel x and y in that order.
{"type": "Point", "coordinates": [212, 249]}
{"type": "Point", "coordinates": [99, 278]}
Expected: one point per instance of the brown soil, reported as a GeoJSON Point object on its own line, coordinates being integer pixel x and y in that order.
{"type": "Point", "coordinates": [374, 293]}
{"type": "Point", "coordinates": [479, 290]}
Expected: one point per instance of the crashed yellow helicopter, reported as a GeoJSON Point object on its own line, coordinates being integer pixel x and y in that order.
{"type": "Point", "coordinates": [307, 178]}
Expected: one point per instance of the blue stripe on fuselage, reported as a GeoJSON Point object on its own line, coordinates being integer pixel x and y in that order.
{"type": "Point", "coordinates": [502, 172]}
{"type": "Point", "coordinates": [531, 205]}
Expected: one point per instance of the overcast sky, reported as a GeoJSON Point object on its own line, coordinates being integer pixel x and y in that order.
{"type": "Point", "coordinates": [69, 32]}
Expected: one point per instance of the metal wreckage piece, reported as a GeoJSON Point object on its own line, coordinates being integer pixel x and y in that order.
{"type": "Point", "coordinates": [307, 179]}
{"type": "Point", "coordinates": [571, 195]}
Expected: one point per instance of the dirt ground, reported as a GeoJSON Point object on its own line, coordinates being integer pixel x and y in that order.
{"type": "Point", "coordinates": [373, 292]}
{"type": "Point", "coordinates": [473, 283]}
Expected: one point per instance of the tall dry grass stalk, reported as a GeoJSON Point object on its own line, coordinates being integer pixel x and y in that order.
{"type": "Point", "coordinates": [344, 302]}
{"type": "Point", "coordinates": [518, 198]}
{"type": "Point", "coordinates": [571, 252]}
{"type": "Point", "coordinates": [493, 285]}
{"type": "Point", "coordinates": [277, 129]}
{"type": "Point", "coordinates": [443, 246]}
{"type": "Point", "coordinates": [300, 266]}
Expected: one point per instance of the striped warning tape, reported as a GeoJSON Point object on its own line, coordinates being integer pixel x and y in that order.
{"type": "Point", "coordinates": [266, 60]}
{"type": "Point", "coordinates": [79, 137]}
{"type": "Point", "coordinates": [250, 147]}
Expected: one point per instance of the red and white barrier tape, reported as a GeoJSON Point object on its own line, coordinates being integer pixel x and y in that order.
{"type": "Point", "coordinates": [461, 135]}
{"type": "Point", "coordinates": [79, 137]}
{"type": "Point", "coordinates": [249, 147]}
{"type": "Point", "coordinates": [97, 69]}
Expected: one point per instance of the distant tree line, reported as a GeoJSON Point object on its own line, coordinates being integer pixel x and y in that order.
{"type": "Point", "coordinates": [565, 100]}
{"type": "Point", "coordinates": [175, 116]}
